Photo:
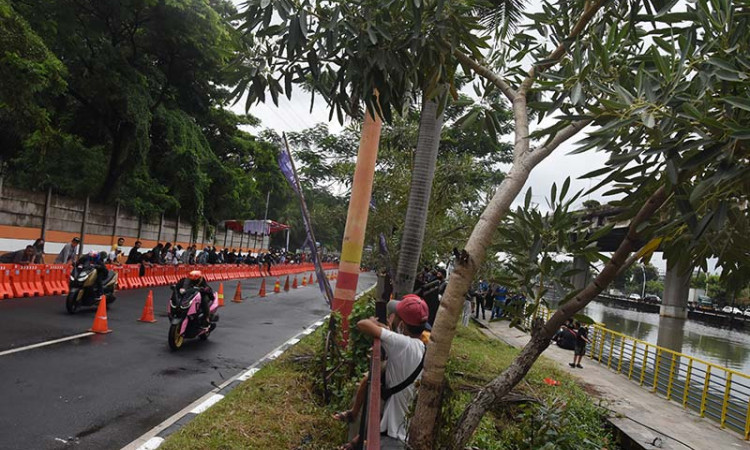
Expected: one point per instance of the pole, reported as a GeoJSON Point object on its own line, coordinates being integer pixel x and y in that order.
{"type": "Point", "coordinates": [265, 222]}
{"type": "Point", "coordinates": [117, 220]}
{"type": "Point", "coordinates": [286, 249]}
{"type": "Point", "coordinates": [83, 225]}
{"type": "Point", "coordinates": [356, 219]}
{"type": "Point", "coordinates": [643, 291]}
{"type": "Point", "coordinates": [45, 219]}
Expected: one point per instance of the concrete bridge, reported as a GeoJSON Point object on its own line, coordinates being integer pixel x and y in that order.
{"type": "Point", "coordinates": [676, 284]}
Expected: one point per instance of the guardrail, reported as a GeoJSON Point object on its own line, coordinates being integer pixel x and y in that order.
{"type": "Point", "coordinates": [36, 280]}
{"type": "Point", "coordinates": [713, 391]}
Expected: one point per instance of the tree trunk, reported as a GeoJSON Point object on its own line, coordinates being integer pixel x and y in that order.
{"type": "Point", "coordinates": [428, 400]}
{"type": "Point", "coordinates": [430, 127]}
{"type": "Point", "coordinates": [520, 366]}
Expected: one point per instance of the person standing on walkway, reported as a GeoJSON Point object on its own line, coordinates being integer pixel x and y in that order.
{"type": "Point", "coordinates": [479, 296]}
{"type": "Point", "coordinates": [68, 253]}
{"type": "Point", "coordinates": [579, 352]}
{"type": "Point", "coordinates": [498, 302]}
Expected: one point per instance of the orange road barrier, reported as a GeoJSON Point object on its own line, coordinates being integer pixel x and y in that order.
{"type": "Point", "coordinates": [221, 294]}
{"type": "Point", "coordinates": [148, 309]}
{"type": "Point", "coordinates": [286, 284]}
{"type": "Point", "coordinates": [262, 292]}
{"type": "Point", "coordinates": [294, 285]}
{"type": "Point", "coordinates": [277, 286]}
{"type": "Point", "coordinates": [238, 293]}
{"type": "Point", "coordinates": [100, 320]}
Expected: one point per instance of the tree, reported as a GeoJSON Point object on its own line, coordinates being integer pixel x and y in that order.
{"type": "Point", "coordinates": [657, 123]}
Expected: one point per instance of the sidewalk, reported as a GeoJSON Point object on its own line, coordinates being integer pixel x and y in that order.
{"type": "Point", "coordinates": [633, 405]}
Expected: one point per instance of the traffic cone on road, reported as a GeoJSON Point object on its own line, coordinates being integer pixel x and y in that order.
{"type": "Point", "coordinates": [238, 294]}
{"type": "Point", "coordinates": [294, 285]}
{"type": "Point", "coordinates": [262, 292]}
{"type": "Point", "coordinates": [221, 294]}
{"type": "Point", "coordinates": [100, 319]}
{"type": "Point", "coordinates": [148, 309]}
{"type": "Point", "coordinates": [286, 284]}
{"type": "Point", "coordinates": [310, 281]}
{"type": "Point", "coordinates": [277, 286]}
{"type": "Point", "coordinates": [304, 280]}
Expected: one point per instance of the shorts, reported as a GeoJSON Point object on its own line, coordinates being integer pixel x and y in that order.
{"type": "Point", "coordinates": [580, 349]}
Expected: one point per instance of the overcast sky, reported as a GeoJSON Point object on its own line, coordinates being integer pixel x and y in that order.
{"type": "Point", "coordinates": [295, 115]}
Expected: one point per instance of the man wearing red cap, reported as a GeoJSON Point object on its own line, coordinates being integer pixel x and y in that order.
{"type": "Point", "coordinates": [405, 353]}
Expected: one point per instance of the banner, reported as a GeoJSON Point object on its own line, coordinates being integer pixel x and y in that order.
{"type": "Point", "coordinates": [287, 168]}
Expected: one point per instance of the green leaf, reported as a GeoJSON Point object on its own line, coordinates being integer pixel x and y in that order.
{"type": "Point", "coordinates": [527, 200]}
{"type": "Point", "coordinates": [738, 102]}
{"type": "Point", "coordinates": [583, 319]}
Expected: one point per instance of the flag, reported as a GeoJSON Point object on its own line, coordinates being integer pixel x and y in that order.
{"type": "Point", "coordinates": [287, 168]}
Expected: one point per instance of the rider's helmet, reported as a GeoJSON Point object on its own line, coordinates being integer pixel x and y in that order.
{"type": "Point", "coordinates": [195, 275]}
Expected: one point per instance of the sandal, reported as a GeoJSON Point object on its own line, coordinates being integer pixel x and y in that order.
{"type": "Point", "coordinates": [344, 416]}
{"type": "Point", "coordinates": [351, 445]}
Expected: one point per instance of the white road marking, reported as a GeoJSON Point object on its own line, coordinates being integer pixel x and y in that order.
{"type": "Point", "coordinates": [249, 374]}
{"type": "Point", "coordinates": [211, 401]}
{"type": "Point", "coordinates": [44, 344]}
{"type": "Point", "coordinates": [152, 444]}
{"type": "Point", "coordinates": [293, 341]}
{"type": "Point", "coordinates": [64, 441]}
{"type": "Point", "coordinates": [275, 354]}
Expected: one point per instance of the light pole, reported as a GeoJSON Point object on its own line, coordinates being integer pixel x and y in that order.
{"type": "Point", "coordinates": [643, 291]}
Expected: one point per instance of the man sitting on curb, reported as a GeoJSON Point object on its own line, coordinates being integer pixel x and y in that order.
{"type": "Point", "coordinates": [405, 350]}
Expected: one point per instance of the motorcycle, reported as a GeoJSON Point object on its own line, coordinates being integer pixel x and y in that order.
{"type": "Point", "coordinates": [186, 316]}
{"type": "Point", "coordinates": [84, 289]}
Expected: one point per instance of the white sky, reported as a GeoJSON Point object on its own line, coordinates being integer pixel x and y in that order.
{"type": "Point", "coordinates": [295, 115]}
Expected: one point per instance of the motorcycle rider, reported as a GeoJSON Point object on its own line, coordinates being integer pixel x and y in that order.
{"type": "Point", "coordinates": [96, 260]}
{"type": "Point", "coordinates": [195, 280]}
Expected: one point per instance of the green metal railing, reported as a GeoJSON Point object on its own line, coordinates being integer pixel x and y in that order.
{"type": "Point", "coordinates": [713, 391]}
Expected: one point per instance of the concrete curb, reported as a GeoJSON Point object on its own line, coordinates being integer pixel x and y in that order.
{"type": "Point", "coordinates": [152, 439]}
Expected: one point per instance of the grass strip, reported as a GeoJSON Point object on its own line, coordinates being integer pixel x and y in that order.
{"type": "Point", "coordinates": [279, 408]}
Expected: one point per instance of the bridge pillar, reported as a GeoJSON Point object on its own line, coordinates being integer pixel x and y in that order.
{"type": "Point", "coordinates": [676, 290]}
{"type": "Point", "coordinates": [581, 279]}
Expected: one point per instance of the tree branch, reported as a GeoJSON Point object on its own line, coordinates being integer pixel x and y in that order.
{"type": "Point", "coordinates": [561, 49]}
{"type": "Point", "coordinates": [520, 366]}
{"type": "Point", "coordinates": [486, 73]}
{"type": "Point", "coordinates": [539, 153]}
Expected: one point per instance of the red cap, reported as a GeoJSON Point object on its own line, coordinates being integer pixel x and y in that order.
{"type": "Point", "coordinates": [412, 310]}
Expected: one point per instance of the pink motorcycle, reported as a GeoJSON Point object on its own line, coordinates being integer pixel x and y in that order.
{"type": "Point", "coordinates": [186, 317]}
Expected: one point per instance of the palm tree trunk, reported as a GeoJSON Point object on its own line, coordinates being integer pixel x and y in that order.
{"type": "Point", "coordinates": [430, 127]}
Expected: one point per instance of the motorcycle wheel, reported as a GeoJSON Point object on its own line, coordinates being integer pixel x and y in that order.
{"type": "Point", "coordinates": [70, 302]}
{"type": "Point", "coordinates": [110, 299]}
{"type": "Point", "coordinates": [175, 339]}
{"type": "Point", "coordinates": [203, 337]}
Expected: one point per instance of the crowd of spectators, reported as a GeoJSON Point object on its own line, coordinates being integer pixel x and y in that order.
{"type": "Point", "coordinates": [164, 254]}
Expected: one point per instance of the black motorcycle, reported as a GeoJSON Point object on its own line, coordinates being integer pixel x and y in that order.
{"type": "Point", "coordinates": [86, 291]}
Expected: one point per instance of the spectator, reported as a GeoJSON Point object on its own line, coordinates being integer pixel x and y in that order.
{"type": "Point", "coordinates": [178, 254]}
{"type": "Point", "coordinates": [116, 251]}
{"type": "Point", "coordinates": [430, 292]}
{"type": "Point", "coordinates": [498, 302]}
{"type": "Point", "coordinates": [579, 352]}
{"type": "Point", "coordinates": [68, 253]}
{"type": "Point", "coordinates": [134, 257]}
{"type": "Point", "coordinates": [479, 296]}
{"type": "Point", "coordinates": [405, 350]}
{"type": "Point", "coordinates": [39, 251]}
{"type": "Point", "coordinates": [25, 256]}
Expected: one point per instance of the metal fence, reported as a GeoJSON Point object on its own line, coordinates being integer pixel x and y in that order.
{"type": "Point", "coordinates": [715, 392]}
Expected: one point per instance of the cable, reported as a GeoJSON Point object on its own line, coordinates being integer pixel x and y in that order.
{"type": "Point", "coordinates": [650, 428]}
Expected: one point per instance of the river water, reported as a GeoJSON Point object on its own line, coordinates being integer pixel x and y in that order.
{"type": "Point", "coordinates": [728, 348]}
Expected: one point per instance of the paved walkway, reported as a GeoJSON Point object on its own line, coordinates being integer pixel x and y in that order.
{"type": "Point", "coordinates": [634, 406]}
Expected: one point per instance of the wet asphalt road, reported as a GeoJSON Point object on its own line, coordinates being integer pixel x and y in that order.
{"type": "Point", "coordinates": [103, 391]}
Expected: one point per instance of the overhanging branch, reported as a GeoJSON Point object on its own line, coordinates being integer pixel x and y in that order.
{"type": "Point", "coordinates": [539, 153]}
{"type": "Point", "coordinates": [486, 73]}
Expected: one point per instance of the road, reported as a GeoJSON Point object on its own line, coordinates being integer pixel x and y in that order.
{"type": "Point", "coordinates": [103, 391]}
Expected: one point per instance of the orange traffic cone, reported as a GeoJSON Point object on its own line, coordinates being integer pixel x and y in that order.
{"type": "Point", "coordinates": [238, 294]}
{"type": "Point", "coordinates": [262, 292]}
{"type": "Point", "coordinates": [304, 280]}
{"type": "Point", "coordinates": [221, 294]}
{"type": "Point", "coordinates": [277, 286]}
{"type": "Point", "coordinates": [286, 284]}
{"type": "Point", "coordinates": [310, 281]}
{"type": "Point", "coordinates": [294, 285]}
{"type": "Point", "coordinates": [148, 309]}
{"type": "Point", "coordinates": [100, 320]}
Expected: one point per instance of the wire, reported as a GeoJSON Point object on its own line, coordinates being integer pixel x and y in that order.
{"type": "Point", "coordinates": [650, 428]}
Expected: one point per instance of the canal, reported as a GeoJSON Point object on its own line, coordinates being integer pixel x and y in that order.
{"type": "Point", "coordinates": [725, 347]}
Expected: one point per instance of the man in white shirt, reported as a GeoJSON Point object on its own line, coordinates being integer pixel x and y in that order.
{"type": "Point", "coordinates": [405, 352]}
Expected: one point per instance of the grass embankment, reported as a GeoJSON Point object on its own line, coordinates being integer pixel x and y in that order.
{"type": "Point", "coordinates": [279, 409]}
